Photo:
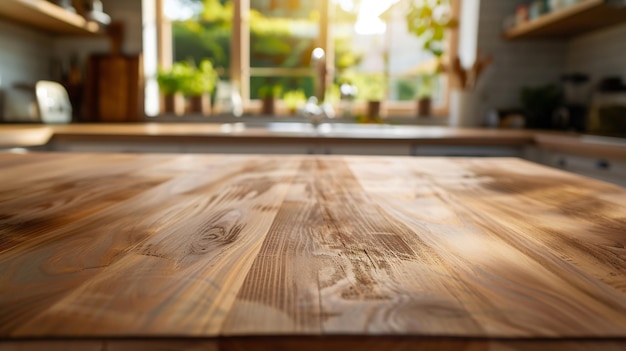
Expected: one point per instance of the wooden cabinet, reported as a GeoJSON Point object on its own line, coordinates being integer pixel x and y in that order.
{"type": "Point", "coordinates": [46, 16]}
{"type": "Point", "coordinates": [114, 88]}
{"type": "Point", "coordinates": [580, 18]}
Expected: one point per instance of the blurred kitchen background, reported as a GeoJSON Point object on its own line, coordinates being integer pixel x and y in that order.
{"type": "Point", "coordinates": [545, 64]}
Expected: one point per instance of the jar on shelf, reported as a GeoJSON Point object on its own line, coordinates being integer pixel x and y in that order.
{"type": "Point", "coordinates": [557, 5]}
{"type": "Point", "coordinates": [537, 8]}
{"type": "Point", "coordinates": [521, 14]}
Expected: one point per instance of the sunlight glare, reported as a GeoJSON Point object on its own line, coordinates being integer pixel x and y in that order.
{"type": "Point", "coordinates": [177, 11]}
{"type": "Point", "coordinates": [368, 22]}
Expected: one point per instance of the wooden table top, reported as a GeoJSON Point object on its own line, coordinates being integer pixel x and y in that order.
{"type": "Point", "coordinates": [283, 252]}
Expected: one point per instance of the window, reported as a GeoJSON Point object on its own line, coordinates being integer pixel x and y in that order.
{"type": "Point", "coordinates": [266, 46]}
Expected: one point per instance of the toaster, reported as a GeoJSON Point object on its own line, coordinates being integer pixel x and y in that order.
{"type": "Point", "coordinates": [46, 102]}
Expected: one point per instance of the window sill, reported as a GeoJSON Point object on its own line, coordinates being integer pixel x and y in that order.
{"type": "Point", "coordinates": [258, 118]}
{"type": "Point", "coordinates": [389, 109]}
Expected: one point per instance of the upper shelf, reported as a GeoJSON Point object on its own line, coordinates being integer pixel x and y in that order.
{"type": "Point", "coordinates": [580, 18]}
{"type": "Point", "coordinates": [47, 16]}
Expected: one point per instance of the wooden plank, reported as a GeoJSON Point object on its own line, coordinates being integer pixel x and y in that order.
{"type": "Point", "coordinates": [52, 345]}
{"type": "Point", "coordinates": [280, 293]}
{"type": "Point", "coordinates": [288, 252]}
{"type": "Point", "coordinates": [582, 17]}
{"type": "Point", "coordinates": [330, 343]}
{"type": "Point", "coordinates": [382, 276]}
{"type": "Point", "coordinates": [45, 15]}
{"type": "Point", "coordinates": [38, 254]}
{"type": "Point", "coordinates": [522, 250]}
{"type": "Point", "coordinates": [192, 251]}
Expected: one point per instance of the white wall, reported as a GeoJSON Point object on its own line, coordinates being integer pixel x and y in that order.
{"type": "Point", "coordinates": [518, 63]}
{"type": "Point", "coordinates": [600, 53]}
{"type": "Point", "coordinates": [126, 11]}
{"type": "Point", "coordinates": [25, 57]}
{"type": "Point", "coordinates": [540, 61]}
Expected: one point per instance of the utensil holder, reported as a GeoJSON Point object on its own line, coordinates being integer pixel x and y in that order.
{"type": "Point", "coordinates": [464, 108]}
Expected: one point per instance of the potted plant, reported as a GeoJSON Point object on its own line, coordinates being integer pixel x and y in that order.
{"type": "Point", "coordinates": [294, 99]}
{"type": "Point", "coordinates": [200, 84]}
{"type": "Point", "coordinates": [372, 89]}
{"type": "Point", "coordinates": [429, 20]}
{"type": "Point", "coordinates": [171, 85]}
{"type": "Point", "coordinates": [268, 94]}
{"type": "Point", "coordinates": [425, 90]}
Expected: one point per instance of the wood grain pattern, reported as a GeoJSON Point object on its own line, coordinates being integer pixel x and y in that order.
{"type": "Point", "coordinates": [579, 18]}
{"type": "Point", "coordinates": [476, 254]}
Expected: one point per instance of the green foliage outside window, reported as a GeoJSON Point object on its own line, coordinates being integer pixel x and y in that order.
{"type": "Point", "coordinates": [274, 41]}
{"type": "Point", "coordinates": [429, 20]}
{"type": "Point", "coordinates": [187, 78]}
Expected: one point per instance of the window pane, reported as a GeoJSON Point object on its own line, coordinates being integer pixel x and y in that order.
{"type": "Point", "coordinates": [283, 34]}
{"type": "Point", "coordinates": [373, 46]}
{"type": "Point", "coordinates": [202, 29]}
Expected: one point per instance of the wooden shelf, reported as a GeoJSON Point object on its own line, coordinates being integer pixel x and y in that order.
{"type": "Point", "coordinates": [577, 19]}
{"type": "Point", "coordinates": [44, 15]}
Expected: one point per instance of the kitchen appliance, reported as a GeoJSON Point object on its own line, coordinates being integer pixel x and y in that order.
{"type": "Point", "coordinates": [94, 12]}
{"type": "Point", "coordinates": [53, 102]}
{"type": "Point", "coordinates": [66, 4]}
{"type": "Point", "coordinates": [607, 115]}
{"type": "Point", "coordinates": [46, 102]}
{"type": "Point", "coordinates": [572, 114]}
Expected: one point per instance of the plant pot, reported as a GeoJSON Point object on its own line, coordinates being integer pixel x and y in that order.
{"type": "Point", "coordinates": [464, 109]}
{"type": "Point", "coordinates": [373, 110]}
{"type": "Point", "coordinates": [267, 107]}
{"type": "Point", "coordinates": [173, 103]}
{"type": "Point", "coordinates": [424, 107]}
{"type": "Point", "coordinates": [199, 104]}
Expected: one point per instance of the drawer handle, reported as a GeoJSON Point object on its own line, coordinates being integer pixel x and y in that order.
{"type": "Point", "coordinates": [603, 164]}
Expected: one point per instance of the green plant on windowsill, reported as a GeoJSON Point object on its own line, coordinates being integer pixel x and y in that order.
{"type": "Point", "coordinates": [173, 80]}
{"type": "Point", "coordinates": [371, 88]}
{"type": "Point", "coordinates": [268, 94]}
{"type": "Point", "coordinates": [201, 80]}
{"type": "Point", "coordinates": [429, 20]}
{"type": "Point", "coordinates": [294, 99]}
{"type": "Point", "coordinates": [172, 83]}
{"type": "Point", "coordinates": [270, 91]}
{"type": "Point", "coordinates": [199, 85]}
{"type": "Point", "coordinates": [425, 91]}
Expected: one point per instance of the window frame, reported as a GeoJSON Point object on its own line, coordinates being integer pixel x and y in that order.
{"type": "Point", "coordinates": [240, 70]}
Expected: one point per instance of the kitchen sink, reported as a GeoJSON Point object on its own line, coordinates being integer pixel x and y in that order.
{"type": "Point", "coordinates": [333, 129]}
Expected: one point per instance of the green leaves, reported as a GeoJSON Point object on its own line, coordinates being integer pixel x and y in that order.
{"type": "Point", "coordinates": [429, 20]}
{"type": "Point", "coordinates": [184, 77]}
{"type": "Point", "coordinates": [173, 80]}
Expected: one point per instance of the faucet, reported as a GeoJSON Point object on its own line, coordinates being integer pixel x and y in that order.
{"type": "Point", "coordinates": [318, 63]}
{"type": "Point", "coordinates": [316, 109]}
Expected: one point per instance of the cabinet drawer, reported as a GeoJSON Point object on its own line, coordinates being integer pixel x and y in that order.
{"type": "Point", "coordinates": [612, 171]}
{"type": "Point", "coordinates": [467, 151]}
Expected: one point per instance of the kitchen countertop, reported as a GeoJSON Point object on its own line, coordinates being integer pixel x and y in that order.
{"type": "Point", "coordinates": [24, 135]}
{"type": "Point", "coordinates": [124, 251]}
{"type": "Point", "coordinates": [280, 131]}
{"type": "Point", "coordinates": [33, 135]}
{"type": "Point", "coordinates": [288, 132]}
